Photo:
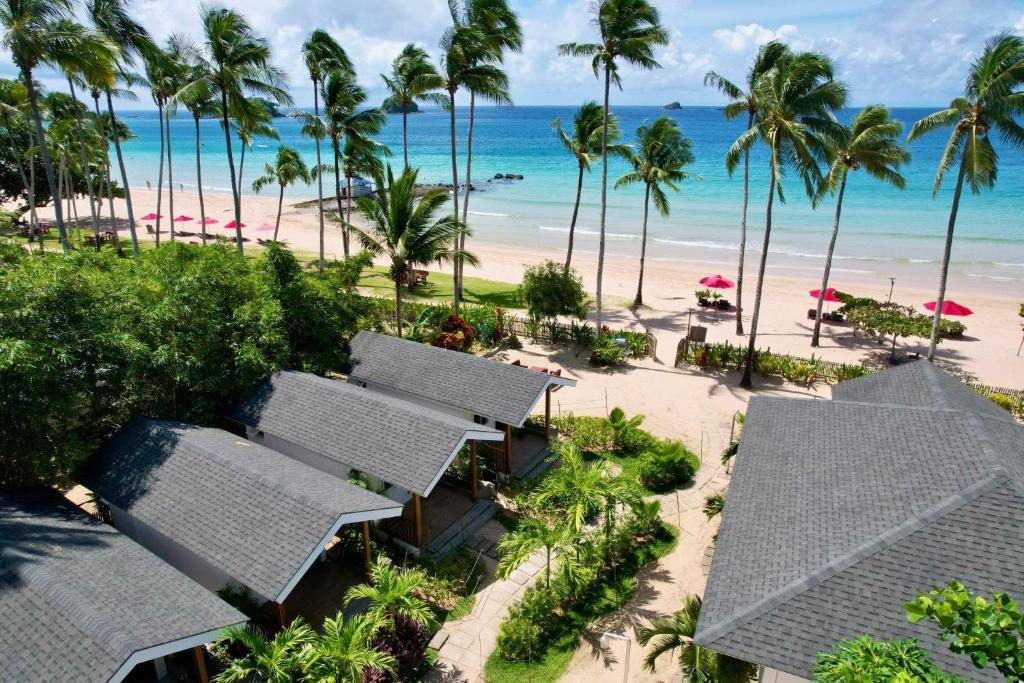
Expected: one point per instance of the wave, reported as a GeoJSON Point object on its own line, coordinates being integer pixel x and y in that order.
{"type": "Point", "coordinates": [1009, 265]}
{"type": "Point", "coordinates": [998, 278]}
{"type": "Point", "coordinates": [586, 231]}
{"type": "Point", "coordinates": [488, 213]}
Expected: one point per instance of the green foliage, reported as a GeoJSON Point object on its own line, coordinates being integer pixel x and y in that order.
{"type": "Point", "coordinates": [549, 291]}
{"type": "Point", "coordinates": [455, 334]}
{"type": "Point", "coordinates": [730, 452]}
{"type": "Point", "coordinates": [667, 465]}
{"type": "Point", "coordinates": [990, 632]}
{"type": "Point", "coordinates": [627, 437]}
{"type": "Point", "coordinates": [863, 660]}
{"type": "Point", "coordinates": [591, 435]}
{"type": "Point", "coordinates": [607, 352]}
{"type": "Point", "coordinates": [727, 357]}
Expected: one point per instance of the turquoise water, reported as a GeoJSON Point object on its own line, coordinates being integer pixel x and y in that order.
{"type": "Point", "coordinates": [885, 232]}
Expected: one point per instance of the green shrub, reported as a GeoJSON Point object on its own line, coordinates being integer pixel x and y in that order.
{"type": "Point", "coordinates": [582, 334]}
{"type": "Point", "coordinates": [1008, 403]}
{"type": "Point", "coordinates": [9, 219]}
{"type": "Point", "coordinates": [627, 437]}
{"type": "Point", "coordinates": [606, 352]}
{"type": "Point", "coordinates": [525, 631]}
{"type": "Point", "coordinates": [589, 434]}
{"type": "Point", "coordinates": [666, 466]}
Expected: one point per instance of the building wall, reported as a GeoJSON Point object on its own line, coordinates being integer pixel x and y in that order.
{"type": "Point", "coordinates": [299, 453]}
{"type": "Point", "coordinates": [776, 676]}
{"type": "Point", "coordinates": [418, 400]}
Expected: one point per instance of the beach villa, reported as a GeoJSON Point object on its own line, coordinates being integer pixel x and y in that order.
{"type": "Point", "coordinates": [82, 602]}
{"type": "Point", "coordinates": [840, 511]}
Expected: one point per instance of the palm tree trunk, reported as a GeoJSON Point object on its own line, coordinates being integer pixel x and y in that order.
{"type": "Point", "coordinates": [405, 135]}
{"type": "Point", "coordinates": [455, 201]}
{"type": "Point", "coordinates": [743, 231]}
{"type": "Point", "coordinates": [575, 213]}
{"type": "Point", "coordinates": [639, 300]}
{"type": "Point", "coordinates": [124, 176]}
{"type": "Point", "coordinates": [937, 319]}
{"type": "Point", "coordinates": [280, 203]}
{"type": "Point", "coordinates": [170, 178]}
{"type": "Point", "coordinates": [816, 336]}
{"type": "Point", "coordinates": [110, 184]}
{"type": "Point", "coordinates": [748, 369]}
{"type": "Point", "coordinates": [85, 163]}
{"type": "Point", "coordinates": [241, 167]}
{"type": "Point", "coordinates": [24, 178]}
{"type": "Point", "coordinates": [160, 173]}
{"type": "Point", "coordinates": [231, 169]}
{"type": "Point", "coordinates": [337, 196]}
{"type": "Point", "coordinates": [73, 201]}
{"type": "Point", "coordinates": [44, 153]}
{"type": "Point", "coordinates": [604, 190]}
{"type": "Point", "coordinates": [32, 204]}
{"type": "Point", "coordinates": [60, 182]}
{"type": "Point", "coordinates": [348, 211]}
{"type": "Point", "coordinates": [469, 185]}
{"type": "Point", "coordinates": [547, 567]}
{"type": "Point", "coordinates": [398, 305]}
{"type": "Point", "coordinates": [199, 181]}
{"type": "Point", "coordinates": [319, 176]}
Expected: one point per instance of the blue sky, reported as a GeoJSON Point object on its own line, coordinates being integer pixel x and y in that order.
{"type": "Point", "coordinates": [900, 52]}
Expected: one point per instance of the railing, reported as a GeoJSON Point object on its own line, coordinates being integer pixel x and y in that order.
{"type": "Point", "coordinates": [494, 457]}
{"type": "Point", "coordinates": [402, 527]}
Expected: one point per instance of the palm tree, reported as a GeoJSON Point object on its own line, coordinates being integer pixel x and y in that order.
{"type": "Point", "coordinates": [699, 664]}
{"type": "Point", "coordinates": [363, 157]}
{"type": "Point", "coordinates": [662, 153]}
{"type": "Point", "coordinates": [746, 101]}
{"type": "Point", "coordinates": [532, 534]}
{"type": "Point", "coordinates": [413, 79]}
{"type": "Point", "coordinates": [991, 99]}
{"type": "Point", "coordinates": [282, 659]}
{"type": "Point", "coordinates": [322, 54]}
{"type": "Point", "coordinates": [870, 142]}
{"type": "Point", "coordinates": [404, 230]}
{"type": "Point", "coordinates": [118, 132]}
{"type": "Point", "coordinates": [392, 595]}
{"type": "Point", "coordinates": [344, 651]}
{"type": "Point", "coordinates": [13, 110]}
{"type": "Point", "coordinates": [714, 503]}
{"type": "Point", "coordinates": [629, 30]}
{"type": "Point", "coordinates": [288, 169]}
{"type": "Point", "coordinates": [796, 100]}
{"type": "Point", "coordinates": [161, 86]}
{"type": "Point", "coordinates": [252, 120]}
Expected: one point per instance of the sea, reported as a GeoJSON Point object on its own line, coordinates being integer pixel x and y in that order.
{"type": "Point", "coordinates": [885, 233]}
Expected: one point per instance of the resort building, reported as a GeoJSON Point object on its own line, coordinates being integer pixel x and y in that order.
{"type": "Point", "coordinates": [840, 511]}
{"type": "Point", "coordinates": [224, 510]}
{"type": "Point", "coordinates": [82, 602]}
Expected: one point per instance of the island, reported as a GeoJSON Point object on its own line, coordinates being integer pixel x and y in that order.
{"type": "Point", "coordinates": [393, 106]}
{"type": "Point", "coordinates": [674, 106]}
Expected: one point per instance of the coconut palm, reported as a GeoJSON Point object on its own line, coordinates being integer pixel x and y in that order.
{"type": "Point", "coordinates": [344, 651]}
{"type": "Point", "coordinates": [322, 54]}
{"type": "Point", "coordinates": [118, 131]}
{"type": "Point", "coordinates": [404, 230]}
{"type": "Point", "coordinates": [661, 154]}
{"type": "Point", "coordinates": [413, 79]}
{"type": "Point", "coordinates": [392, 594]}
{"type": "Point", "coordinates": [281, 659]}
{"type": "Point", "coordinates": [161, 87]}
{"type": "Point", "coordinates": [252, 120]}
{"type": "Point", "coordinates": [745, 101]}
{"type": "Point", "coordinates": [533, 533]}
{"type": "Point", "coordinates": [288, 168]}
{"type": "Point", "coordinates": [13, 111]}
{"type": "Point", "coordinates": [870, 142]}
{"type": "Point", "coordinates": [629, 30]}
{"type": "Point", "coordinates": [796, 101]}
{"type": "Point", "coordinates": [359, 157]}
{"type": "Point", "coordinates": [992, 98]}
{"type": "Point", "coordinates": [699, 664]}
{"type": "Point", "coordinates": [714, 503]}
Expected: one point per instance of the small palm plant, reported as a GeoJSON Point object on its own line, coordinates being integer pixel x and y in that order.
{"type": "Point", "coordinates": [413, 79]}
{"type": "Point", "coordinates": [281, 659]}
{"type": "Point", "coordinates": [345, 651]}
{"type": "Point", "coordinates": [534, 533]}
{"type": "Point", "coordinates": [288, 168]}
{"type": "Point", "coordinates": [392, 594]}
{"type": "Point", "coordinates": [713, 505]}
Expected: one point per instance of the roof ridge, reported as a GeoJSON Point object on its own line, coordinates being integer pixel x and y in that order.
{"type": "Point", "coordinates": [816, 577]}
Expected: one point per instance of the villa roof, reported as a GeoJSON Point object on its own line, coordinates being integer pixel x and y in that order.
{"type": "Point", "coordinates": [481, 386]}
{"type": "Point", "coordinates": [253, 513]}
{"type": "Point", "coordinates": [840, 511]}
{"type": "Point", "coordinates": [81, 602]}
{"type": "Point", "coordinates": [398, 441]}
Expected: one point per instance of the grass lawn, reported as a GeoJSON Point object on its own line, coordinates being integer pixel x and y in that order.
{"type": "Point", "coordinates": [439, 287]}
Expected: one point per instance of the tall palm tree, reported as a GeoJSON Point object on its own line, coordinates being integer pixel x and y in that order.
{"type": "Point", "coordinates": [252, 120]}
{"type": "Point", "coordinates": [281, 659]}
{"type": "Point", "coordinates": [661, 155]}
{"type": "Point", "coordinates": [870, 142]}
{"type": "Point", "coordinates": [344, 651]}
{"type": "Point", "coordinates": [699, 664]}
{"type": "Point", "coordinates": [584, 143]}
{"type": "Point", "coordinates": [534, 533]}
{"type": "Point", "coordinates": [161, 87]}
{"type": "Point", "coordinates": [288, 169]}
{"type": "Point", "coordinates": [118, 131]}
{"type": "Point", "coordinates": [746, 102]}
{"type": "Point", "coordinates": [405, 230]}
{"type": "Point", "coordinates": [363, 157]}
{"type": "Point", "coordinates": [391, 593]}
{"type": "Point", "coordinates": [992, 98]}
{"type": "Point", "coordinates": [413, 79]}
{"type": "Point", "coordinates": [628, 31]}
{"type": "Point", "coordinates": [796, 100]}
{"type": "Point", "coordinates": [13, 111]}
{"type": "Point", "coordinates": [196, 96]}
{"type": "Point", "coordinates": [322, 54]}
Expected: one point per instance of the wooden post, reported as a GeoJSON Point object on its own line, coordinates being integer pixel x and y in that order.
{"type": "Point", "coordinates": [547, 414]}
{"type": "Point", "coordinates": [419, 519]}
{"type": "Point", "coordinates": [282, 616]}
{"type": "Point", "coordinates": [366, 547]}
{"type": "Point", "coordinates": [201, 674]}
{"type": "Point", "coordinates": [472, 470]}
{"type": "Point", "coordinates": [508, 449]}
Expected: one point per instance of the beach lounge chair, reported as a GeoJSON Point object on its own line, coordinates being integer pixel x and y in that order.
{"type": "Point", "coordinates": [150, 230]}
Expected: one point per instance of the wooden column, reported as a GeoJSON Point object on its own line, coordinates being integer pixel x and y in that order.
{"type": "Point", "coordinates": [366, 547]}
{"type": "Point", "coordinates": [547, 414]}
{"type": "Point", "coordinates": [200, 657]}
{"type": "Point", "coordinates": [282, 615]}
{"type": "Point", "coordinates": [472, 470]}
{"type": "Point", "coordinates": [417, 510]}
{"type": "Point", "coordinates": [508, 449]}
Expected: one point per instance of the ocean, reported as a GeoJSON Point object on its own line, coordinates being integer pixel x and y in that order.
{"type": "Point", "coordinates": [884, 232]}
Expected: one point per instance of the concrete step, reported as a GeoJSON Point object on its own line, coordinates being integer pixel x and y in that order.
{"type": "Point", "coordinates": [454, 536]}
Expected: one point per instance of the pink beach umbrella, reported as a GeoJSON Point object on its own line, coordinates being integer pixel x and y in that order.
{"type": "Point", "coordinates": [232, 225]}
{"type": "Point", "coordinates": [830, 294]}
{"type": "Point", "coordinates": [717, 282]}
{"type": "Point", "coordinates": [182, 219]}
{"type": "Point", "coordinates": [950, 307]}
{"type": "Point", "coordinates": [208, 221]}
{"type": "Point", "coordinates": [150, 217]}
{"type": "Point", "coordinates": [266, 227]}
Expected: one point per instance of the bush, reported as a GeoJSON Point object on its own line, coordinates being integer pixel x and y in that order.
{"type": "Point", "coordinates": [524, 631]}
{"type": "Point", "coordinates": [456, 334]}
{"type": "Point", "coordinates": [606, 352]}
{"type": "Point", "coordinates": [666, 466]}
{"type": "Point", "coordinates": [589, 434]}
{"type": "Point", "coordinates": [550, 291]}
{"type": "Point", "coordinates": [627, 437]}
{"type": "Point", "coordinates": [407, 644]}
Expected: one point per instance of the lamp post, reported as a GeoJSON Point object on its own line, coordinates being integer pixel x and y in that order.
{"type": "Point", "coordinates": [629, 642]}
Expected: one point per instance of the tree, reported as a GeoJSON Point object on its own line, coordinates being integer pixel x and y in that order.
{"type": "Point", "coordinates": [252, 120]}
{"type": "Point", "coordinates": [699, 664]}
{"type": "Point", "coordinates": [796, 100]}
{"type": "Point", "coordinates": [746, 102]}
{"type": "Point", "coordinates": [549, 290]}
{"type": "Point", "coordinates": [198, 98]}
{"type": "Point", "coordinates": [584, 143]}
{"type": "Point", "coordinates": [322, 54]}
{"type": "Point", "coordinates": [870, 142]}
{"type": "Point", "coordinates": [288, 168]}
{"type": "Point", "coordinates": [281, 659]}
{"type": "Point", "coordinates": [392, 595]}
{"type": "Point", "coordinates": [877, 318]}
{"type": "Point", "coordinates": [661, 154]}
{"type": "Point", "coordinates": [629, 30]}
{"type": "Point", "coordinates": [345, 652]}
{"type": "Point", "coordinates": [404, 230]}
{"type": "Point", "coordinates": [412, 79]}
{"type": "Point", "coordinates": [532, 534]}
{"type": "Point", "coordinates": [162, 86]}
{"type": "Point", "coordinates": [988, 631]}
{"type": "Point", "coordinates": [992, 98]}
{"type": "Point", "coordinates": [865, 659]}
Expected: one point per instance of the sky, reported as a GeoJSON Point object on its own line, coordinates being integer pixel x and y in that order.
{"type": "Point", "coordinates": [898, 52]}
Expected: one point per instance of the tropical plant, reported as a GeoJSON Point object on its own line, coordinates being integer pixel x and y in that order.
{"type": "Point", "coordinates": [405, 230]}
{"type": "Point", "coordinates": [549, 290]}
{"type": "Point", "coordinates": [160, 78]}
{"type": "Point", "coordinates": [992, 99]}
{"type": "Point", "coordinates": [98, 67]}
{"type": "Point", "coordinates": [530, 535]}
{"type": "Point", "coordinates": [714, 503]}
{"type": "Point", "coordinates": [628, 31]}
{"type": "Point", "coordinates": [345, 650]}
{"type": "Point", "coordinates": [865, 659]}
{"type": "Point", "coordinates": [699, 664]}
{"type": "Point", "coordinates": [666, 465]}
{"type": "Point", "coordinates": [413, 79]}
{"type": "Point", "coordinates": [288, 169]}
{"type": "Point", "coordinates": [281, 659]}
{"type": "Point", "coordinates": [253, 119]}
{"type": "Point", "coordinates": [796, 100]}
{"type": "Point", "coordinates": [745, 101]}
{"type": "Point", "coordinates": [661, 154]}
{"type": "Point", "coordinates": [870, 142]}
{"type": "Point", "coordinates": [627, 437]}
{"type": "Point", "coordinates": [393, 594]}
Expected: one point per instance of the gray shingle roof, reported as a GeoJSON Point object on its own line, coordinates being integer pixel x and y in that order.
{"type": "Point", "coordinates": [254, 513]}
{"type": "Point", "coordinates": [79, 598]}
{"type": "Point", "coordinates": [482, 386]}
{"type": "Point", "coordinates": [840, 511]}
{"type": "Point", "coordinates": [398, 441]}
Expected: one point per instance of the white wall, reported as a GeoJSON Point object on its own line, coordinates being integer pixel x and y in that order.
{"type": "Point", "coordinates": [776, 676]}
{"type": "Point", "coordinates": [299, 453]}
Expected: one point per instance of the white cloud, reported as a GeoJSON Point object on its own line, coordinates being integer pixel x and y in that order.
{"type": "Point", "coordinates": [744, 37]}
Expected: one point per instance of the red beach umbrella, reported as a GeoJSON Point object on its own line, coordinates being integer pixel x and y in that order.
{"type": "Point", "coordinates": [150, 217]}
{"type": "Point", "coordinates": [830, 294]}
{"type": "Point", "coordinates": [717, 282]}
{"type": "Point", "coordinates": [266, 227]}
{"type": "Point", "coordinates": [208, 221]}
{"type": "Point", "coordinates": [232, 225]}
{"type": "Point", "coordinates": [950, 307]}
{"type": "Point", "coordinates": [182, 219]}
